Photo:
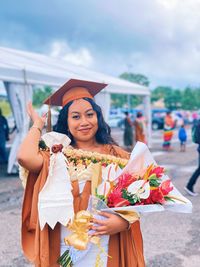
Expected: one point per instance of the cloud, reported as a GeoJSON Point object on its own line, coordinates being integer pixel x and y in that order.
{"type": "Point", "coordinates": [81, 57]}
{"type": "Point", "coordinates": [158, 38]}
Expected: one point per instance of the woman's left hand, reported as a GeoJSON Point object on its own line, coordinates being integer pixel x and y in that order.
{"type": "Point", "coordinates": [111, 225]}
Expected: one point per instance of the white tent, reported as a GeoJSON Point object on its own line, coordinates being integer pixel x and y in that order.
{"type": "Point", "coordinates": [20, 70]}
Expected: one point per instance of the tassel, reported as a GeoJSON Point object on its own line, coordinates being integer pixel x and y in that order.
{"type": "Point", "coordinates": [49, 128]}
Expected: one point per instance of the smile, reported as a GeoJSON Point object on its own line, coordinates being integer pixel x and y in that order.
{"type": "Point", "coordinates": [85, 130]}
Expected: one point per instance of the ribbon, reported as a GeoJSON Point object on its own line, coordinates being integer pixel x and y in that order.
{"type": "Point", "coordinates": [80, 225]}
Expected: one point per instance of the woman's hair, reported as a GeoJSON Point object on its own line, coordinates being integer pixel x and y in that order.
{"type": "Point", "coordinates": [103, 133]}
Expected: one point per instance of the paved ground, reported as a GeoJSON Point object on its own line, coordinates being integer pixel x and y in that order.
{"type": "Point", "coordinates": [170, 239]}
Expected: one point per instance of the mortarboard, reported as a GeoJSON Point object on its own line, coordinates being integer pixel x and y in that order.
{"type": "Point", "coordinates": [74, 89]}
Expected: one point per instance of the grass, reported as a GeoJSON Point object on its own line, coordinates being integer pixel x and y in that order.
{"type": "Point", "coordinates": [5, 108]}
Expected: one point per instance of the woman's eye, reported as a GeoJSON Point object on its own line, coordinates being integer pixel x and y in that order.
{"type": "Point", "coordinates": [76, 117]}
{"type": "Point", "coordinates": [90, 114]}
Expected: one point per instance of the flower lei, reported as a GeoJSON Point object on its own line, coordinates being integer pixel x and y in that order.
{"type": "Point", "coordinates": [79, 156]}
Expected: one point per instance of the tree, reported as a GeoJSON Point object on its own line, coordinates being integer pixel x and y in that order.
{"type": "Point", "coordinates": [189, 101]}
{"type": "Point", "coordinates": [159, 92]}
{"type": "Point", "coordinates": [134, 100]}
{"type": "Point", "coordinates": [135, 78]}
{"type": "Point", "coordinates": [172, 97]}
{"type": "Point", "coordinates": [197, 97]}
{"type": "Point", "coordinates": [40, 94]}
{"type": "Point", "coordinates": [118, 100]}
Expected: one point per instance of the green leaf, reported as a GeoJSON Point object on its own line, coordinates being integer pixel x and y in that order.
{"type": "Point", "coordinates": [102, 197]}
{"type": "Point", "coordinates": [65, 259]}
{"type": "Point", "coordinates": [168, 198]}
{"type": "Point", "coordinates": [132, 198]}
{"type": "Point", "coordinates": [154, 182]}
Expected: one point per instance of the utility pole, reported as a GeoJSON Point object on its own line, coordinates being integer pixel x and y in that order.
{"type": "Point", "coordinates": [129, 67]}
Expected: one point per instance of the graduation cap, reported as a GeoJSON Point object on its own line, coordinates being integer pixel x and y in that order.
{"type": "Point", "coordinates": [72, 90]}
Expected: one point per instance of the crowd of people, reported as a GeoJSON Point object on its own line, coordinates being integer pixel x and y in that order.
{"type": "Point", "coordinates": [134, 131]}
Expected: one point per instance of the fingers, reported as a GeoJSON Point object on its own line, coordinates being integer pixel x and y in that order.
{"type": "Point", "coordinates": [44, 115]}
{"type": "Point", "coordinates": [100, 233]}
{"type": "Point", "coordinates": [105, 214]}
{"type": "Point", "coordinates": [29, 108]}
{"type": "Point", "coordinates": [100, 230]}
{"type": "Point", "coordinates": [100, 222]}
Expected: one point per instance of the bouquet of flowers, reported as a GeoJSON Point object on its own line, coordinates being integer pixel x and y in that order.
{"type": "Point", "coordinates": [142, 186]}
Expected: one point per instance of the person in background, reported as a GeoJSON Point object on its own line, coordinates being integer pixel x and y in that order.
{"type": "Point", "coordinates": [192, 181]}
{"type": "Point", "coordinates": [4, 136]}
{"type": "Point", "coordinates": [194, 117]}
{"type": "Point", "coordinates": [196, 139]}
{"type": "Point", "coordinates": [140, 127]}
{"type": "Point", "coordinates": [182, 135]}
{"type": "Point", "coordinates": [169, 125]}
{"type": "Point", "coordinates": [128, 132]}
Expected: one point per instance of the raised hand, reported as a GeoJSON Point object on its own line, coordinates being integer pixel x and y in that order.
{"type": "Point", "coordinates": [35, 117]}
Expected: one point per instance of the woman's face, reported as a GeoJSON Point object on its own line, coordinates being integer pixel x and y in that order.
{"type": "Point", "coordinates": [82, 120]}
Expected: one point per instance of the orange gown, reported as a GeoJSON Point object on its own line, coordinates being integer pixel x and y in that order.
{"type": "Point", "coordinates": [140, 125]}
{"type": "Point", "coordinates": [43, 247]}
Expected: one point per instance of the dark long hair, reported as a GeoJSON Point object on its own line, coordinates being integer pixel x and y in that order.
{"type": "Point", "coordinates": [103, 135]}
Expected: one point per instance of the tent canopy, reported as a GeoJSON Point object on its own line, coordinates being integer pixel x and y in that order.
{"type": "Point", "coordinates": [31, 68]}
{"type": "Point", "coordinates": [20, 71]}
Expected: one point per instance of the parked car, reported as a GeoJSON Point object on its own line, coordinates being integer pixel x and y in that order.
{"type": "Point", "coordinates": [158, 116]}
{"type": "Point", "coordinates": [115, 121]}
{"type": "Point", "coordinates": [157, 123]}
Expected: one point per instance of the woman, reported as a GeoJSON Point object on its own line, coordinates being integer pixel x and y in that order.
{"type": "Point", "coordinates": [140, 128]}
{"type": "Point", "coordinates": [81, 119]}
{"type": "Point", "coordinates": [128, 132]}
{"type": "Point", "coordinates": [168, 131]}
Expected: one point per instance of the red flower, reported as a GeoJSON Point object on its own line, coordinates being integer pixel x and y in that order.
{"type": "Point", "coordinates": [165, 187]}
{"type": "Point", "coordinates": [155, 197]}
{"type": "Point", "coordinates": [114, 196]}
{"type": "Point", "coordinates": [115, 199]}
{"type": "Point", "coordinates": [158, 171]}
{"type": "Point", "coordinates": [125, 180]}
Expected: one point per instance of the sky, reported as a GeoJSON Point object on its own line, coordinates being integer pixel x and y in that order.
{"type": "Point", "coordinates": [157, 38]}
